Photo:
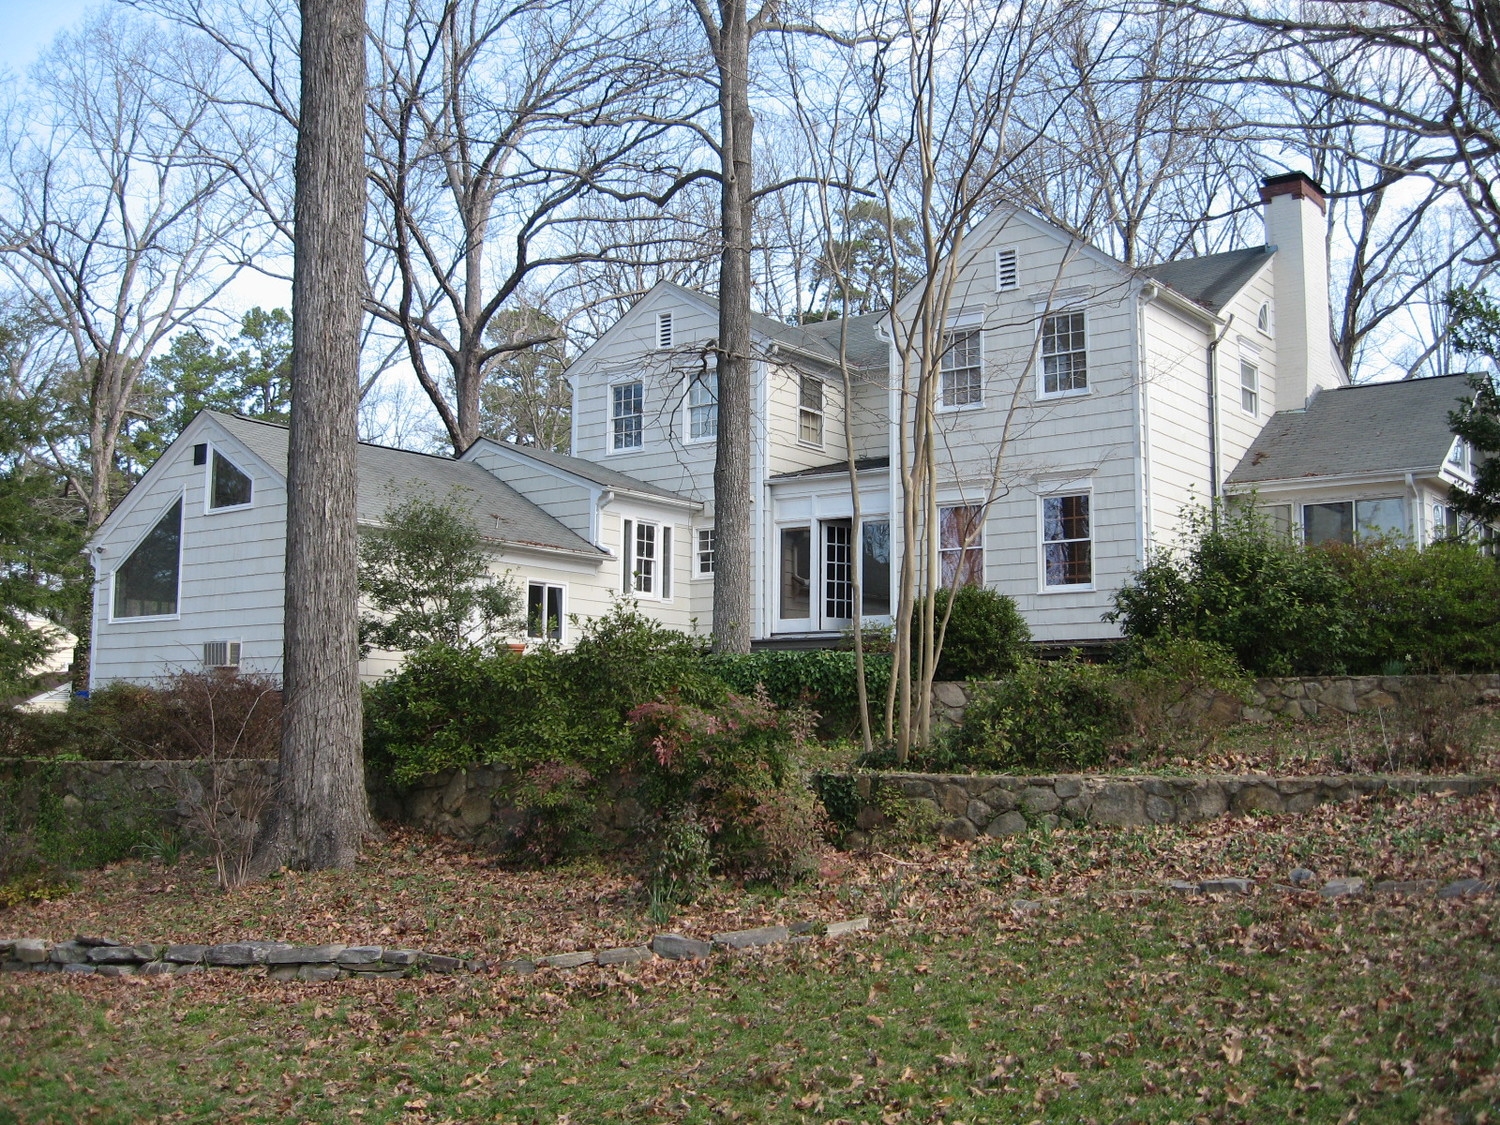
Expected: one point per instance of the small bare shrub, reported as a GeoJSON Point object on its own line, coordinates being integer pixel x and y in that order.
{"type": "Point", "coordinates": [224, 814]}
{"type": "Point", "coordinates": [1432, 727]}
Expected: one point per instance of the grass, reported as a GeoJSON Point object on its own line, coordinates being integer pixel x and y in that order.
{"type": "Point", "coordinates": [1042, 977]}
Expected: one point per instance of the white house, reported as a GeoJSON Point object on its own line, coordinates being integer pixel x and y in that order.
{"type": "Point", "coordinates": [1082, 406]}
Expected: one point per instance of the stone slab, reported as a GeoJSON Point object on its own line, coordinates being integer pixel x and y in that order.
{"type": "Point", "coordinates": [304, 955]}
{"type": "Point", "coordinates": [848, 926]}
{"type": "Point", "coordinates": [1342, 888]}
{"type": "Point", "coordinates": [123, 954]}
{"type": "Point", "coordinates": [522, 965]}
{"type": "Point", "coordinates": [401, 956]}
{"type": "Point", "coordinates": [318, 972]}
{"type": "Point", "coordinates": [68, 953]}
{"type": "Point", "coordinates": [235, 954]}
{"type": "Point", "coordinates": [358, 955]}
{"type": "Point", "coordinates": [567, 960]}
{"type": "Point", "coordinates": [1464, 888]}
{"type": "Point", "coordinates": [624, 955]}
{"type": "Point", "coordinates": [116, 970]}
{"type": "Point", "coordinates": [1405, 887]}
{"type": "Point", "coordinates": [1228, 886]}
{"type": "Point", "coordinates": [675, 947]}
{"type": "Point", "coordinates": [79, 967]}
{"type": "Point", "coordinates": [749, 939]}
{"type": "Point", "coordinates": [440, 964]}
{"type": "Point", "coordinates": [32, 951]}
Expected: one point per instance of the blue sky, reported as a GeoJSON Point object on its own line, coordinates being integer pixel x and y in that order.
{"type": "Point", "coordinates": [29, 25]}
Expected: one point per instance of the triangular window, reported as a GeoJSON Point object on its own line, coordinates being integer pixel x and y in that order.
{"type": "Point", "coordinates": [229, 486]}
{"type": "Point", "coordinates": [146, 582]}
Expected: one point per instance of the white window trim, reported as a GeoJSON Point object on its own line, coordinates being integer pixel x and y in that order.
{"type": "Point", "coordinates": [687, 409]}
{"type": "Point", "coordinates": [1041, 542]}
{"type": "Point", "coordinates": [1252, 361]}
{"type": "Point", "coordinates": [208, 483]}
{"type": "Point", "coordinates": [1268, 330]}
{"type": "Point", "coordinates": [949, 332]}
{"type": "Point", "coordinates": [181, 547]}
{"type": "Point", "coordinates": [666, 548]}
{"type": "Point", "coordinates": [1015, 281]}
{"type": "Point", "coordinates": [977, 545]}
{"type": "Point", "coordinates": [609, 415]}
{"type": "Point", "coordinates": [1043, 313]}
{"type": "Point", "coordinates": [698, 574]}
{"type": "Point", "coordinates": [562, 624]}
{"type": "Point", "coordinates": [822, 412]}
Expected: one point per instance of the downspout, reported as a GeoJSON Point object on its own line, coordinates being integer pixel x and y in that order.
{"type": "Point", "coordinates": [1213, 424]}
{"type": "Point", "coordinates": [1413, 498]}
{"type": "Point", "coordinates": [1142, 432]}
{"type": "Point", "coordinates": [603, 500]}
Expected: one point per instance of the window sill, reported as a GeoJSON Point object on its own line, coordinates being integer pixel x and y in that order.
{"type": "Point", "coordinates": [146, 618]}
{"type": "Point", "coordinates": [1043, 396]}
{"type": "Point", "coordinates": [211, 511]}
{"type": "Point", "coordinates": [1081, 588]}
{"type": "Point", "coordinates": [968, 406]}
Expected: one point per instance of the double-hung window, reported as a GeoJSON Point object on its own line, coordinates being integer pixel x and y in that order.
{"type": "Point", "coordinates": [961, 369]}
{"type": "Point", "coordinates": [703, 406]}
{"type": "Point", "coordinates": [1065, 368]}
{"type": "Point", "coordinates": [1249, 387]}
{"type": "Point", "coordinates": [1067, 541]}
{"type": "Point", "coordinates": [703, 565]}
{"type": "Point", "coordinates": [647, 570]}
{"type": "Point", "coordinates": [544, 611]}
{"type": "Point", "coordinates": [961, 545]}
{"type": "Point", "coordinates": [810, 411]}
{"type": "Point", "coordinates": [627, 415]}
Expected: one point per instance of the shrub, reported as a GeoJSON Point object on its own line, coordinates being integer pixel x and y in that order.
{"type": "Point", "coordinates": [219, 713]}
{"type": "Point", "coordinates": [1432, 727]}
{"type": "Point", "coordinates": [1281, 609]}
{"type": "Point", "coordinates": [1062, 715]}
{"type": "Point", "coordinates": [1433, 610]}
{"type": "Point", "coordinates": [733, 763]}
{"type": "Point", "coordinates": [822, 680]}
{"type": "Point", "coordinates": [986, 637]}
{"type": "Point", "coordinates": [1169, 687]}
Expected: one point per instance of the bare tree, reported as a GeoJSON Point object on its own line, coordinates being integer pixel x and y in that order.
{"type": "Point", "coordinates": [321, 814]}
{"type": "Point", "coordinates": [110, 222]}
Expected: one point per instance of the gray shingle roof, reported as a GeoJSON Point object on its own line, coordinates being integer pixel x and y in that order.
{"type": "Point", "coordinates": [1373, 428]}
{"type": "Point", "coordinates": [865, 348]}
{"type": "Point", "coordinates": [499, 512]}
{"type": "Point", "coordinates": [1213, 279]}
{"type": "Point", "coordinates": [590, 471]}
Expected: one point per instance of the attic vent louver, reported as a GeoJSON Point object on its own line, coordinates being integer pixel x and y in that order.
{"type": "Point", "coordinates": [1007, 269]}
{"type": "Point", "coordinates": [221, 654]}
{"type": "Point", "coordinates": [664, 330]}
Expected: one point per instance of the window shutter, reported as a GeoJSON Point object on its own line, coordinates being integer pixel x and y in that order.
{"type": "Point", "coordinates": [666, 563]}
{"type": "Point", "coordinates": [627, 558]}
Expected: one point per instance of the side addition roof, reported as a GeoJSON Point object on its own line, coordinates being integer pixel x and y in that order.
{"type": "Point", "coordinates": [1374, 428]}
{"type": "Point", "coordinates": [1215, 278]}
{"type": "Point", "coordinates": [592, 471]}
{"type": "Point", "coordinates": [498, 511]}
{"type": "Point", "coordinates": [864, 348]}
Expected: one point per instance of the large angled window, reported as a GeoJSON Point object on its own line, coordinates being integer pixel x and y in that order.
{"type": "Point", "coordinates": [229, 486]}
{"type": "Point", "coordinates": [146, 583]}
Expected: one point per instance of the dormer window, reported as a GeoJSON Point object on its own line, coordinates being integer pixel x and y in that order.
{"type": "Point", "coordinates": [664, 330]}
{"type": "Point", "coordinates": [1458, 456]}
{"type": "Point", "coordinates": [228, 485]}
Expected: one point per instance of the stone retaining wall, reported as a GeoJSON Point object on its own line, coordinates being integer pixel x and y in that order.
{"type": "Point", "coordinates": [1293, 697]}
{"type": "Point", "coordinates": [967, 806]}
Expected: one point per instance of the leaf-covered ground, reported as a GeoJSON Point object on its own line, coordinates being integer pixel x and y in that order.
{"type": "Point", "coordinates": [1044, 977]}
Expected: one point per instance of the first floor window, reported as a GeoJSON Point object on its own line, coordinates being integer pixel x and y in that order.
{"type": "Point", "coordinates": [544, 611]}
{"type": "Point", "coordinates": [1249, 387]}
{"type": "Point", "coordinates": [796, 573]}
{"type": "Point", "coordinates": [705, 554]}
{"type": "Point", "coordinates": [647, 562]}
{"type": "Point", "coordinates": [1064, 354]}
{"type": "Point", "coordinates": [703, 407]}
{"type": "Point", "coordinates": [961, 369]}
{"type": "Point", "coordinates": [1067, 541]}
{"type": "Point", "coordinates": [627, 415]}
{"type": "Point", "coordinates": [146, 582]}
{"type": "Point", "coordinates": [961, 545]}
{"type": "Point", "coordinates": [228, 486]}
{"type": "Point", "coordinates": [1351, 521]}
{"type": "Point", "coordinates": [875, 569]}
{"type": "Point", "coordinates": [810, 411]}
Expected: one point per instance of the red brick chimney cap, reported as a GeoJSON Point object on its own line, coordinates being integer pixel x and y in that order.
{"type": "Point", "coordinates": [1296, 184]}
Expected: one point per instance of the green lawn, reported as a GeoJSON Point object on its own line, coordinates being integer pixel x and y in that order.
{"type": "Point", "coordinates": [1109, 1000]}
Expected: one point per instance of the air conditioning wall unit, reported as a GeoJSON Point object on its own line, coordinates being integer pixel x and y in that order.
{"type": "Point", "coordinates": [221, 654]}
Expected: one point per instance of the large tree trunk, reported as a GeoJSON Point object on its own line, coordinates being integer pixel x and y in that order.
{"type": "Point", "coordinates": [321, 814]}
{"type": "Point", "coordinates": [732, 500]}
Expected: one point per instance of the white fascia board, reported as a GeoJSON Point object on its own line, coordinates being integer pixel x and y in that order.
{"type": "Point", "coordinates": [588, 485]}
{"type": "Point", "coordinates": [648, 301]}
{"type": "Point", "coordinates": [1161, 291]}
{"type": "Point", "coordinates": [1347, 480]}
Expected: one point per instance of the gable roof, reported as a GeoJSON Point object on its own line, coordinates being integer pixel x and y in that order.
{"type": "Point", "coordinates": [1213, 279]}
{"type": "Point", "coordinates": [498, 511]}
{"type": "Point", "coordinates": [820, 340]}
{"type": "Point", "coordinates": [590, 471]}
{"type": "Point", "coordinates": [1373, 428]}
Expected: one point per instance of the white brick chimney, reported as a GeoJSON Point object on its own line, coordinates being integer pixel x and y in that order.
{"type": "Point", "coordinates": [1296, 216]}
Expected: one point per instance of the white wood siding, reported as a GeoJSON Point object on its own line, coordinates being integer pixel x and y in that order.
{"type": "Point", "coordinates": [565, 501]}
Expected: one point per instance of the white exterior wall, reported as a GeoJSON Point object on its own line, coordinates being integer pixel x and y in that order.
{"type": "Point", "coordinates": [1071, 444]}
{"type": "Point", "coordinates": [688, 604]}
{"type": "Point", "coordinates": [566, 501]}
{"type": "Point", "coordinates": [232, 567]}
{"type": "Point", "coordinates": [788, 453]}
{"type": "Point", "coordinates": [1176, 394]}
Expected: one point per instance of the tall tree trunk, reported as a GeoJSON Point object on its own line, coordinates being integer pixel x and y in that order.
{"type": "Point", "coordinates": [321, 814]}
{"type": "Point", "coordinates": [732, 499]}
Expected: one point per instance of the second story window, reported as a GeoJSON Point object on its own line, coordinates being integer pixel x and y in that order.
{"type": "Point", "coordinates": [1064, 354]}
{"type": "Point", "coordinates": [961, 382]}
{"type": "Point", "coordinates": [703, 407]}
{"type": "Point", "coordinates": [627, 414]}
{"type": "Point", "coordinates": [810, 411]}
{"type": "Point", "coordinates": [1249, 387]}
